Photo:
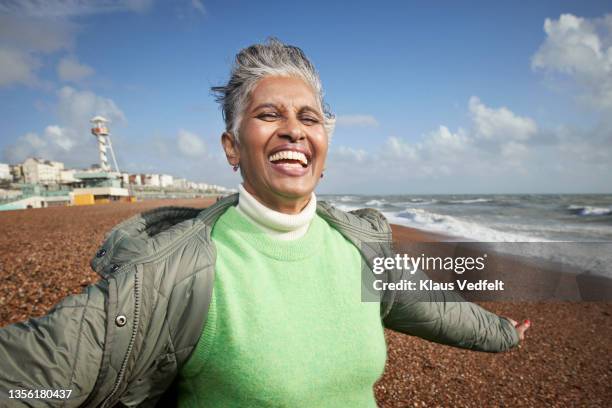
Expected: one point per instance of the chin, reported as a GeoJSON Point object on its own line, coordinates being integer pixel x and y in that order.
{"type": "Point", "coordinates": [289, 188]}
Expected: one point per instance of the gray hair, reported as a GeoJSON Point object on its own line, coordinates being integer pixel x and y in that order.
{"type": "Point", "coordinates": [262, 60]}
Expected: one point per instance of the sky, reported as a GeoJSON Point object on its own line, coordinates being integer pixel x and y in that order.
{"type": "Point", "coordinates": [430, 97]}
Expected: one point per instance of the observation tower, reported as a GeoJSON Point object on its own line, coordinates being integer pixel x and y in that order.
{"type": "Point", "coordinates": [100, 132]}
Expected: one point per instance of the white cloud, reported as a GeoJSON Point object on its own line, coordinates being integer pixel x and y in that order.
{"type": "Point", "coordinates": [495, 146]}
{"type": "Point", "coordinates": [499, 124]}
{"type": "Point", "coordinates": [444, 140]}
{"type": "Point", "coordinates": [60, 137]}
{"type": "Point", "coordinates": [31, 29]}
{"type": "Point", "coordinates": [190, 144]}
{"type": "Point", "coordinates": [69, 69]}
{"type": "Point", "coordinates": [398, 148]}
{"type": "Point", "coordinates": [17, 67]}
{"type": "Point", "coordinates": [76, 108]}
{"type": "Point", "coordinates": [53, 141]}
{"type": "Point", "coordinates": [198, 6]}
{"type": "Point", "coordinates": [36, 34]}
{"type": "Point", "coordinates": [71, 136]}
{"type": "Point", "coordinates": [513, 150]}
{"type": "Point", "coordinates": [351, 154]}
{"type": "Point", "coordinates": [71, 8]}
{"type": "Point", "coordinates": [580, 49]}
{"type": "Point", "coordinates": [356, 120]}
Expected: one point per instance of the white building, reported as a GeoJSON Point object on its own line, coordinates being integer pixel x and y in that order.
{"type": "Point", "coordinates": [67, 176]}
{"type": "Point", "coordinates": [180, 183]}
{"type": "Point", "coordinates": [38, 171]}
{"type": "Point", "coordinates": [5, 172]}
{"type": "Point", "coordinates": [152, 180]}
{"type": "Point", "coordinates": [165, 180]}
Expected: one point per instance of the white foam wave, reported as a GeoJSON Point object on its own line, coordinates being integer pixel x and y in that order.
{"type": "Point", "coordinates": [376, 203]}
{"type": "Point", "coordinates": [588, 210]}
{"type": "Point", "coordinates": [417, 201]}
{"type": "Point", "coordinates": [347, 198]}
{"type": "Point", "coordinates": [471, 201]}
{"type": "Point", "coordinates": [453, 226]}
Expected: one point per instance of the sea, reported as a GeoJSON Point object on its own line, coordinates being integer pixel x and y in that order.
{"type": "Point", "coordinates": [566, 225]}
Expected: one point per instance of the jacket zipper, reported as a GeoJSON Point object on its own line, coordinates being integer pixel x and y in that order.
{"type": "Point", "coordinates": [132, 339]}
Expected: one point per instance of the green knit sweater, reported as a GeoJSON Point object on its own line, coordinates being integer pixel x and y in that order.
{"type": "Point", "coordinates": [286, 326]}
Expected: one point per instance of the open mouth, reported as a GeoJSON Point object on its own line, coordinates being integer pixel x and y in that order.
{"type": "Point", "coordinates": [290, 158]}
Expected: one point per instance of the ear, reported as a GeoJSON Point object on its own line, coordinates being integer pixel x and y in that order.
{"type": "Point", "coordinates": [230, 145]}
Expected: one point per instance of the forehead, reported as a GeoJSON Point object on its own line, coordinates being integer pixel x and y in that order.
{"type": "Point", "coordinates": [285, 91]}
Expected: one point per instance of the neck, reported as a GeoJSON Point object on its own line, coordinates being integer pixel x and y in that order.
{"type": "Point", "coordinates": [277, 224]}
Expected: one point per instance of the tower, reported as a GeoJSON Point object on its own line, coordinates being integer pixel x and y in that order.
{"type": "Point", "coordinates": [100, 131]}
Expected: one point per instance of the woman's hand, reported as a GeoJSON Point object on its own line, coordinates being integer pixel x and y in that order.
{"type": "Point", "coordinates": [520, 328]}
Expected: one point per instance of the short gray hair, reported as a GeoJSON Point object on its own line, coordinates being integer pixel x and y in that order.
{"type": "Point", "coordinates": [257, 62]}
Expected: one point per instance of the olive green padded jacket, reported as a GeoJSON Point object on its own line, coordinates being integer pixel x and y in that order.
{"type": "Point", "coordinates": [124, 339]}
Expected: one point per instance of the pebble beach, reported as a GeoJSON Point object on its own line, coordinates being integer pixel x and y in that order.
{"type": "Point", "coordinates": [566, 359]}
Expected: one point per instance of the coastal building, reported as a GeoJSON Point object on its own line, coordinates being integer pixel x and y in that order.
{"type": "Point", "coordinates": [165, 180]}
{"type": "Point", "coordinates": [152, 180]}
{"type": "Point", "coordinates": [17, 173]}
{"type": "Point", "coordinates": [94, 188]}
{"type": "Point", "coordinates": [67, 176]}
{"type": "Point", "coordinates": [180, 183]}
{"type": "Point", "coordinates": [38, 171]}
{"type": "Point", "coordinates": [5, 172]}
{"type": "Point", "coordinates": [136, 180]}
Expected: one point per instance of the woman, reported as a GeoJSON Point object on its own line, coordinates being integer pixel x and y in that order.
{"type": "Point", "coordinates": [254, 301]}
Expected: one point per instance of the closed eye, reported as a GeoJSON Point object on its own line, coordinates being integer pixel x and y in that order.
{"type": "Point", "coordinates": [309, 120]}
{"type": "Point", "coordinates": [268, 116]}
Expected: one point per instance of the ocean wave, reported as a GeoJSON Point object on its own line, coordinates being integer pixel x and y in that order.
{"type": "Point", "coordinates": [417, 201]}
{"type": "Point", "coordinates": [588, 210]}
{"type": "Point", "coordinates": [347, 198]}
{"type": "Point", "coordinates": [376, 203]}
{"type": "Point", "coordinates": [471, 201]}
{"type": "Point", "coordinates": [453, 226]}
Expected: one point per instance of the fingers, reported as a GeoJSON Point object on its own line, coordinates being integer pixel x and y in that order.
{"type": "Point", "coordinates": [522, 328]}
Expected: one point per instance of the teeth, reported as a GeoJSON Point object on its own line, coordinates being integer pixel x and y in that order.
{"type": "Point", "coordinates": [289, 155]}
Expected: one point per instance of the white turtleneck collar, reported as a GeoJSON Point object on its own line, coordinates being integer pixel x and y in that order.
{"type": "Point", "coordinates": [277, 224]}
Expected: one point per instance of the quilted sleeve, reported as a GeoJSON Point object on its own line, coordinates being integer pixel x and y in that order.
{"type": "Point", "coordinates": [61, 351]}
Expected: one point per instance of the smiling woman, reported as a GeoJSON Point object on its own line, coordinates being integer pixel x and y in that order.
{"type": "Point", "coordinates": [284, 145]}
{"type": "Point", "coordinates": [254, 301]}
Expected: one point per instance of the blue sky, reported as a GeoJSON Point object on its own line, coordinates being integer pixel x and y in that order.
{"type": "Point", "coordinates": [441, 97]}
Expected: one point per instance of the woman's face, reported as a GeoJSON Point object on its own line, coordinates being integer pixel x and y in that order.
{"type": "Point", "coordinates": [283, 144]}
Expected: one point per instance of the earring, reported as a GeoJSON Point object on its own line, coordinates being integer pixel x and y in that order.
{"type": "Point", "coordinates": [321, 174]}
{"type": "Point", "coordinates": [235, 167]}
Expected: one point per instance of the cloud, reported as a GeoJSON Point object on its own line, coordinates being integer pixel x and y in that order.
{"type": "Point", "coordinates": [78, 107]}
{"type": "Point", "coordinates": [350, 154]}
{"type": "Point", "coordinates": [190, 144]}
{"type": "Point", "coordinates": [579, 49]}
{"type": "Point", "coordinates": [499, 151]}
{"type": "Point", "coordinates": [70, 140]}
{"type": "Point", "coordinates": [23, 40]}
{"type": "Point", "coordinates": [32, 29]}
{"type": "Point", "coordinates": [17, 67]}
{"type": "Point", "coordinates": [36, 34]}
{"type": "Point", "coordinates": [53, 141]}
{"type": "Point", "coordinates": [198, 6]}
{"type": "Point", "coordinates": [71, 8]}
{"type": "Point", "coordinates": [356, 120]}
{"type": "Point", "coordinates": [499, 124]}
{"type": "Point", "coordinates": [69, 69]}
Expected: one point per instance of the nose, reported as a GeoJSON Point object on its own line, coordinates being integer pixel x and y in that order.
{"type": "Point", "coordinates": [292, 129]}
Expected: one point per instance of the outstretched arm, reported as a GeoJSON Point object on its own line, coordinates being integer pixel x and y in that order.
{"type": "Point", "coordinates": [445, 317]}
{"type": "Point", "coordinates": [60, 351]}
